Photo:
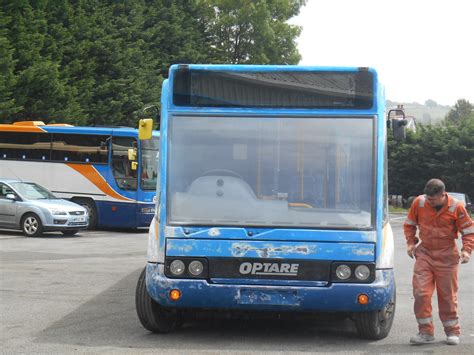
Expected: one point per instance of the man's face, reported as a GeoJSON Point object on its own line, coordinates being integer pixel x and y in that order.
{"type": "Point", "coordinates": [436, 200]}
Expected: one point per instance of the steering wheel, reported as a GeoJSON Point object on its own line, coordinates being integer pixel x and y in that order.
{"type": "Point", "coordinates": [223, 172]}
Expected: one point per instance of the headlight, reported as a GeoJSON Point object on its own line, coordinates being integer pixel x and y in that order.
{"type": "Point", "coordinates": [195, 268]}
{"type": "Point", "coordinates": [177, 267]}
{"type": "Point", "coordinates": [362, 272]}
{"type": "Point", "coordinates": [343, 272]}
{"type": "Point", "coordinates": [58, 213]}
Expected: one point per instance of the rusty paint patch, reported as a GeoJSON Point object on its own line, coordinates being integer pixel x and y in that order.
{"type": "Point", "coordinates": [241, 249]}
{"type": "Point", "coordinates": [170, 232]}
{"type": "Point", "coordinates": [214, 232]}
{"type": "Point", "coordinates": [362, 251]}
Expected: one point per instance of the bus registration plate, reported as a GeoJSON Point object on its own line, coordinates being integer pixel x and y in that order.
{"type": "Point", "coordinates": [269, 297]}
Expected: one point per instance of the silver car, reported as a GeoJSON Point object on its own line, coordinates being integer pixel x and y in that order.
{"type": "Point", "coordinates": [34, 210]}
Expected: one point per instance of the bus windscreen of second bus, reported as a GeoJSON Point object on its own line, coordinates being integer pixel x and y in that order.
{"type": "Point", "coordinates": [150, 149]}
{"type": "Point", "coordinates": [264, 171]}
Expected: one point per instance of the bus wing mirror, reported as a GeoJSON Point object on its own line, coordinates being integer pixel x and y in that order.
{"type": "Point", "coordinates": [132, 154]}
{"type": "Point", "coordinates": [145, 128]}
{"type": "Point", "coordinates": [396, 119]}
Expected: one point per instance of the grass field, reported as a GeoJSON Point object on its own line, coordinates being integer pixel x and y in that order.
{"type": "Point", "coordinates": [393, 209]}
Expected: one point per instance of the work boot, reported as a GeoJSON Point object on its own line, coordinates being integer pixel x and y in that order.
{"type": "Point", "coordinates": [452, 339]}
{"type": "Point", "coordinates": [422, 338]}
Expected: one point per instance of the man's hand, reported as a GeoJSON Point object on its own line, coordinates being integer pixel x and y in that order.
{"type": "Point", "coordinates": [465, 256]}
{"type": "Point", "coordinates": [411, 250]}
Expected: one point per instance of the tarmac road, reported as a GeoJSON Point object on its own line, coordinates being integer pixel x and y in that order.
{"type": "Point", "coordinates": [64, 294]}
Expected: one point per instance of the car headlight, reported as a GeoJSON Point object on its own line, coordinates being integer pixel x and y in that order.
{"type": "Point", "coordinates": [58, 212]}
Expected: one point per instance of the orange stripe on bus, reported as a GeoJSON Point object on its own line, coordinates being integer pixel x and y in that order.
{"type": "Point", "coordinates": [13, 128]}
{"type": "Point", "coordinates": [91, 174]}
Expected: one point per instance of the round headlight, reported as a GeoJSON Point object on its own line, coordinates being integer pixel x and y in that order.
{"type": "Point", "coordinates": [343, 272]}
{"type": "Point", "coordinates": [177, 267]}
{"type": "Point", "coordinates": [362, 272]}
{"type": "Point", "coordinates": [195, 268]}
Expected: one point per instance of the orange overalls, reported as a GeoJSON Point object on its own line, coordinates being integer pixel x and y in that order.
{"type": "Point", "coordinates": [437, 259]}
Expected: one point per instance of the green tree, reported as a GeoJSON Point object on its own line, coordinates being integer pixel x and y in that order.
{"type": "Point", "coordinates": [445, 152]}
{"type": "Point", "coordinates": [7, 76]}
{"type": "Point", "coordinates": [99, 62]}
{"type": "Point", "coordinates": [462, 110]}
{"type": "Point", "coordinates": [257, 32]}
{"type": "Point", "coordinates": [431, 103]}
{"type": "Point", "coordinates": [40, 88]}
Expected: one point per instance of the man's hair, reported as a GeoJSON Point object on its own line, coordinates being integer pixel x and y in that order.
{"type": "Point", "coordinates": [434, 187]}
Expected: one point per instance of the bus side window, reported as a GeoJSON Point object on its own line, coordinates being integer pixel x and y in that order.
{"type": "Point", "coordinates": [25, 146]}
{"type": "Point", "coordinates": [79, 148]}
{"type": "Point", "coordinates": [125, 176]}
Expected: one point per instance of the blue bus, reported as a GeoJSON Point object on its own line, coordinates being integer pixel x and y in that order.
{"type": "Point", "coordinates": [272, 196]}
{"type": "Point", "coordinates": [110, 171]}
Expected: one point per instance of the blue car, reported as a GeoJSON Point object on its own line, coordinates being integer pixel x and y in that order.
{"type": "Point", "coordinates": [34, 210]}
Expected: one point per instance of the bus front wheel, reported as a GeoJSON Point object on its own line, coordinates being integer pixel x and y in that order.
{"type": "Point", "coordinates": [91, 208]}
{"type": "Point", "coordinates": [153, 316]}
{"type": "Point", "coordinates": [377, 324]}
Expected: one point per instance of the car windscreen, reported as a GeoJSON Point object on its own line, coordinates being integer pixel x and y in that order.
{"type": "Point", "coordinates": [32, 191]}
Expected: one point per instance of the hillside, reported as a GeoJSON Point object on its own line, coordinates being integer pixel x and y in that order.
{"type": "Point", "coordinates": [425, 114]}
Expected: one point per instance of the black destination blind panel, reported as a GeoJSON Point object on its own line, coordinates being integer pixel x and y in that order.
{"type": "Point", "coordinates": [285, 89]}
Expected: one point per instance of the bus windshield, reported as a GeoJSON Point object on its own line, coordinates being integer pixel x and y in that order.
{"type": "Point", "coordinates": [149, 152]}
{"type": "Point", "coordinates": [271, 171]}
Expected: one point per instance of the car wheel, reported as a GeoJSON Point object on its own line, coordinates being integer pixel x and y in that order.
{"type": "Point", "coordinates": [68, 232]}
{"type": "Point", "coordinates": [153, 316]}
{"type": "Point", "coordinates": [31, 225]}
{"type": "Point", "coordinates": [377, 324]}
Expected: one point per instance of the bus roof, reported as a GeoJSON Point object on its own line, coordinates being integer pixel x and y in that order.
{"type": "Point", "coordinates": [269, 68]}
{"type": "Point", "coordinates": [41, 127]}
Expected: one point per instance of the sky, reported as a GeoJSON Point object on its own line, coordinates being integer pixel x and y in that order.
{"type": "Point", "coordinates": [421, 49]}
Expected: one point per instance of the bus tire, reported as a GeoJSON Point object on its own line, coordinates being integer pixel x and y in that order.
{"type": "Point", "coordinates": [376, 325]}
{"type": "Point", "coordinates": [31, 225]}
{"type": "Point", "coordinates": [91, 208]}
{"type": "Point", "coordinates": [152, 316]}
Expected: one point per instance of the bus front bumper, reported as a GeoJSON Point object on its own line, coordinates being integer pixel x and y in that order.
{"type": "Point", "coordinates": [336, 297]}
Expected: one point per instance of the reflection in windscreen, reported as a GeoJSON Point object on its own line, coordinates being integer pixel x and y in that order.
{"type": "Point", "coordinates": [248, 171]}
{"type": "Point", "coordinates": [32, 191]}
{"type": "Point", "coordinates": [149, 171]}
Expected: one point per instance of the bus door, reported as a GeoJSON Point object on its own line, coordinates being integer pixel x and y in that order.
{"type": "Point", "coordinates": [124, 170]}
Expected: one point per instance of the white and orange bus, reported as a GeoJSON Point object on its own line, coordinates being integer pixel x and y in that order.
{"type": "Point", "coordinates": [107, 170]}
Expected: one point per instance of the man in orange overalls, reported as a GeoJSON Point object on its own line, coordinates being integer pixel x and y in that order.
{"type": "Point", "coordinates": [439, 218]}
